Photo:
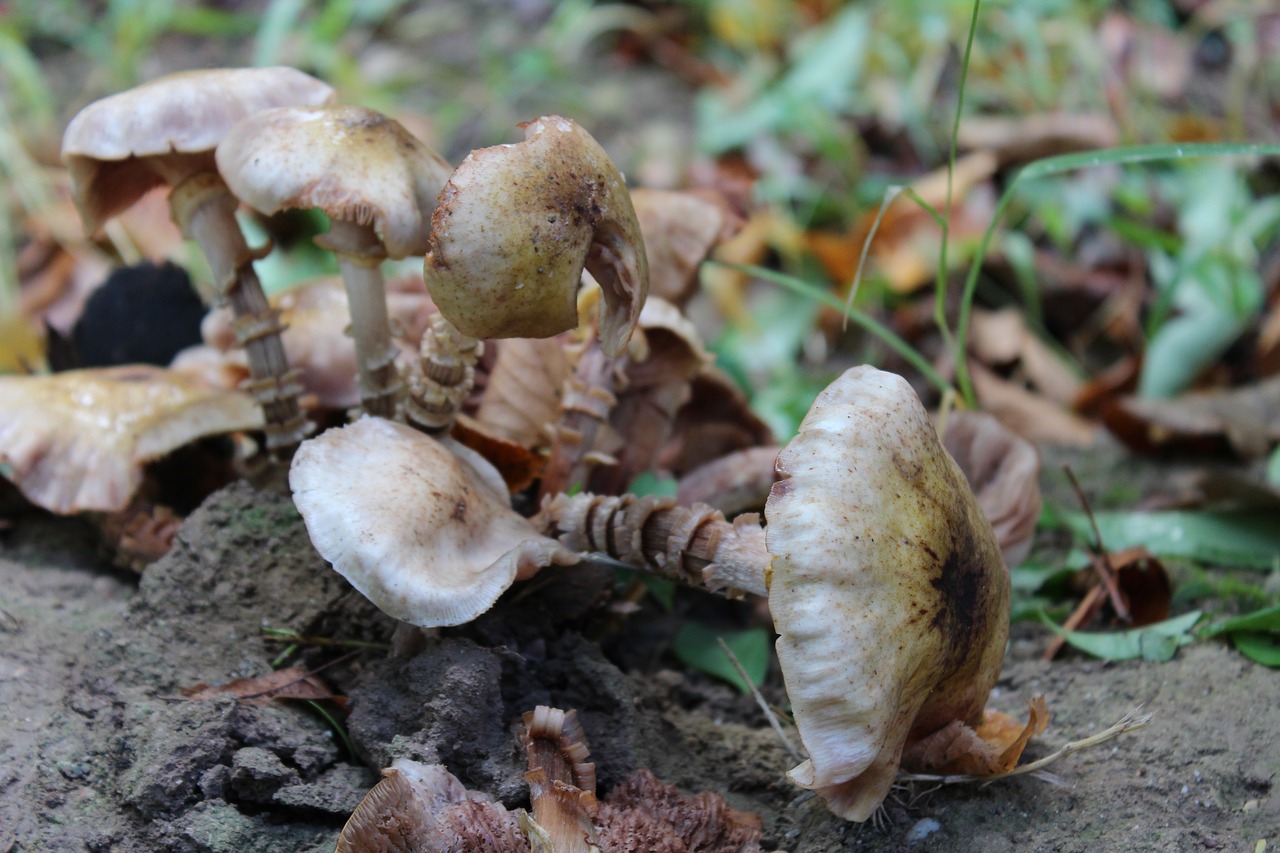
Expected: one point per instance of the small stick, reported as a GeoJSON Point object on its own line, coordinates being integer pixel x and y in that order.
{"type": "Point", "coordinates": [1102, 562]}
{"type": "Point", "coordinates": [795, 754]}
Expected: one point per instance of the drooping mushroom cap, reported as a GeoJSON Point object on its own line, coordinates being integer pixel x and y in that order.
{"type": "Point", "coordinates": [516, 225]}
{"type": "Point", "coordinates": [424, 531]}
{"type": "Point", "coordinates": [78, 440]}
{"type": "Point", "coordinates": [887, 589]}
{"type": "Point", "coordinates": [108, 144]}
{"type": "Point", "coordinates": [353, 163]}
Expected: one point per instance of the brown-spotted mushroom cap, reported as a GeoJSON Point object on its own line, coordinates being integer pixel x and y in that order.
{"type": "Point", "coordinates": [112, 147]}
{"type": "Point", "coordinates": [516, 225]}
{"type": "Point", "coordinates": [78, 440]}
{"type": "Point", "coordinates": [426, 532]}
{"type": "Point", "coordinates": [351, 162]}
{"type": "Point", "coordinates": [887, 588]}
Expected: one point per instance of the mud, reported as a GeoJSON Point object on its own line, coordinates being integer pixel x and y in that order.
{"type": "Point", "coordinates": [103, 753]}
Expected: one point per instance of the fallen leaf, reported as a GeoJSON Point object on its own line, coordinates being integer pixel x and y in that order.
{"type": "Point", "coordinates": [1245, 420]}
{"type": "Point", "coordinates": [296, 682]}
{"type": "Point", "coordinates": [1037, 419]}
{"type": "Point", "coordinates": [992, 748]}
{"type": "Point", "coordinates": [1158, 642]}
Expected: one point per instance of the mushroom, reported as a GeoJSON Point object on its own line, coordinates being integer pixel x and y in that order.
{"type": "Point", "coordinates": [378, 185]}
{"type": "Point", "coordinates": [423, 528]}
{"type": "Point", "coordinates": [79, 440]}
{"type": "Point", "coordinates": [165, 132]}
{"type": "Point", "coordinates": [885, 580]}
{"type": "Point", "coordinates": [517, 224]}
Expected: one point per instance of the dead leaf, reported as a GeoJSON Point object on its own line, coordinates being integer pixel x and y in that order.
{"type": "Point", "coordinates": [296, 682]}
{"type": "Point", "coordinates": [992, 748]}
{"type": "Point", "coordinates": [1036, 418]}
{"type": "Point", "coordinates": [518, 465]}
{"type": "Point", "coordinates": [1022, 139]}
{"type": "Point", "coordinates": [1245, 420]}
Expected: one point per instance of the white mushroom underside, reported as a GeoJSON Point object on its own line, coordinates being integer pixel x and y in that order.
{"type": "Point", "coordinates": [414, 526]}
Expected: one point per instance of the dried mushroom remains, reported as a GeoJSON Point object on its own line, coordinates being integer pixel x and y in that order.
{"type": "Point", "coordinates": [516, 225]}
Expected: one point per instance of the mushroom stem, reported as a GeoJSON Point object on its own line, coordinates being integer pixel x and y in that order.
{"type": "Point", "coordinates": [588, 400]}
{"type": "Point", "coordinates": [444, 378]}
{"type": "Point", "coordinates": [360, 255]}
{"type": "Point", "coordinates": [694, 545]}
{"type": "Point", "coordinates": [203, 207]}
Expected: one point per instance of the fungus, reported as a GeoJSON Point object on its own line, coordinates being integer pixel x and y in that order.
{"type": "Point", "coordinates": [165, 132]}
{"type": "Point", "coordinates": [79, 440]}
{"type": "Point", "coordinates": [885, 581]}
{"type": "Point", "coordinates": [378, 185]}
{"type": "Point", "coordinates": [422, 528]}
{"type": "Point", "coordinates": [517, 224]}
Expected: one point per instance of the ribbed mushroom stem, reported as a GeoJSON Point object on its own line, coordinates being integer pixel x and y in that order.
{"type": "Point", "coordinates": [204, 209]}
{"type": "Point", "coordinates": [360, 256]}
{"type": "Point", "coordinates": [694, 545]}
{"type": "Point", "coordinates": [588, 400]}
{"type": "Point", "coordinates": [445, 376]}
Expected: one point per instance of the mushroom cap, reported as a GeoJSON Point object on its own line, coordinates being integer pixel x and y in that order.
{"type": "Point", "coordinates": [107, 143]}
{"type": "Point", "coordinates": [516, 225]}
{"type": "Point", "coordinates": [887, 587]}
{"type": "Point", "coordinates": [78, 440]}
{"type": "Point", "coordinates": [353, 163]}
{"type": "Point", "coordinates": [424, 531]}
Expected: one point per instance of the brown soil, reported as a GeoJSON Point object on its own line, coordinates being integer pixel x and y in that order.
{"type": "Point", "coordinates": [103, 753]}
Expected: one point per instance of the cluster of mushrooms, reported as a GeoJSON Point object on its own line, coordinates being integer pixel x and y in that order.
{"type": "Point", "coordinates": [884, 576]}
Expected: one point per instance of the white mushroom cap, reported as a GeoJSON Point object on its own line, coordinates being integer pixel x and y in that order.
{"type": "Point", "coordinates": [107, 143]}
{"type": "Point", "coordinates": [353, 163]}
{"type": "Point", "coordinates": [424, 531]}
{"type": "Point", "coordinates": [515, 227]}
{"type": "Point", "coordinates": [888, 590]}
{"type": "Point", "coordinates": [78, 440]}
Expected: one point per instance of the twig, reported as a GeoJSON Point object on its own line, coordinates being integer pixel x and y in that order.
{"type": "Point", "coordinates": [1102, 559]}
{"type": "Point", "coordinates": [795, 754]}
{"type": "Point", "coordinates": [1130, 722]}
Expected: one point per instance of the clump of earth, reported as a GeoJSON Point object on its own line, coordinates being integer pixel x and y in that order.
{"type": "Point", "coordinates": [103, 752]}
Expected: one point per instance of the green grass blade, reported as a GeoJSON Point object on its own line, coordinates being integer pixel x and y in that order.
{"type": "Point", "coordinates": [859, 318]}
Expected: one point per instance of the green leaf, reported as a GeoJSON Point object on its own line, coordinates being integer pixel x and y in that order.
{"type": "Point", "coordinates": [696, 646]}
{"type": "Point", "coordinates": [1244, 538]}
{"type": "Point", "coordinates": [648, 483]}
{"type": "Point", "coordinates": [1267, 619]}
{"type": "Point", "coordinates": [1255, 635]}
{"type": "Point", "coordinates": [1258, 647]}
{"type": "Point", "coordinates": [1156, 642]}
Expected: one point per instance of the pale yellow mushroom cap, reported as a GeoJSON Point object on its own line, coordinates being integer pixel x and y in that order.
{"type": "Point", "coordinates": [517, 224]}
{"type": "Point", "coordinates": [888, 590]}
{"type": "Point", "coordinates": [107, 144]}
{"type": "Point", "coordinates": [78, 440]}
{"type": "Point", "coordinates": [424, 531]}
{"type": "Point", "coordinates": [353, 163]}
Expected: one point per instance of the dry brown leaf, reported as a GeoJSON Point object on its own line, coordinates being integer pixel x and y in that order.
{"type": "Point", "coordinates": [296, 682]}
{"type": "Point", "coordinates": [907, 243]}
{"type": "Point", "coordinates": [1245, 420]}
{"type": "Point", "coordinates": [1003, 470]}
{"type": "Point", "coordinates": [1001, 339]}
{"type": "Point", "coordinates": [518, 465]}
{"type": "Point", "coordinates": [992, 748]}
{"type": "Point", "coordinates": [1035, 418]}
{"type": "Point", "coordinates": [1024, 138]}
{"type": "Point", "coordinates": [718, 422]}
{"type": "Point", "coordinates": [680, 229]}
{"type": "Point", "coordinates": [525, 389]}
